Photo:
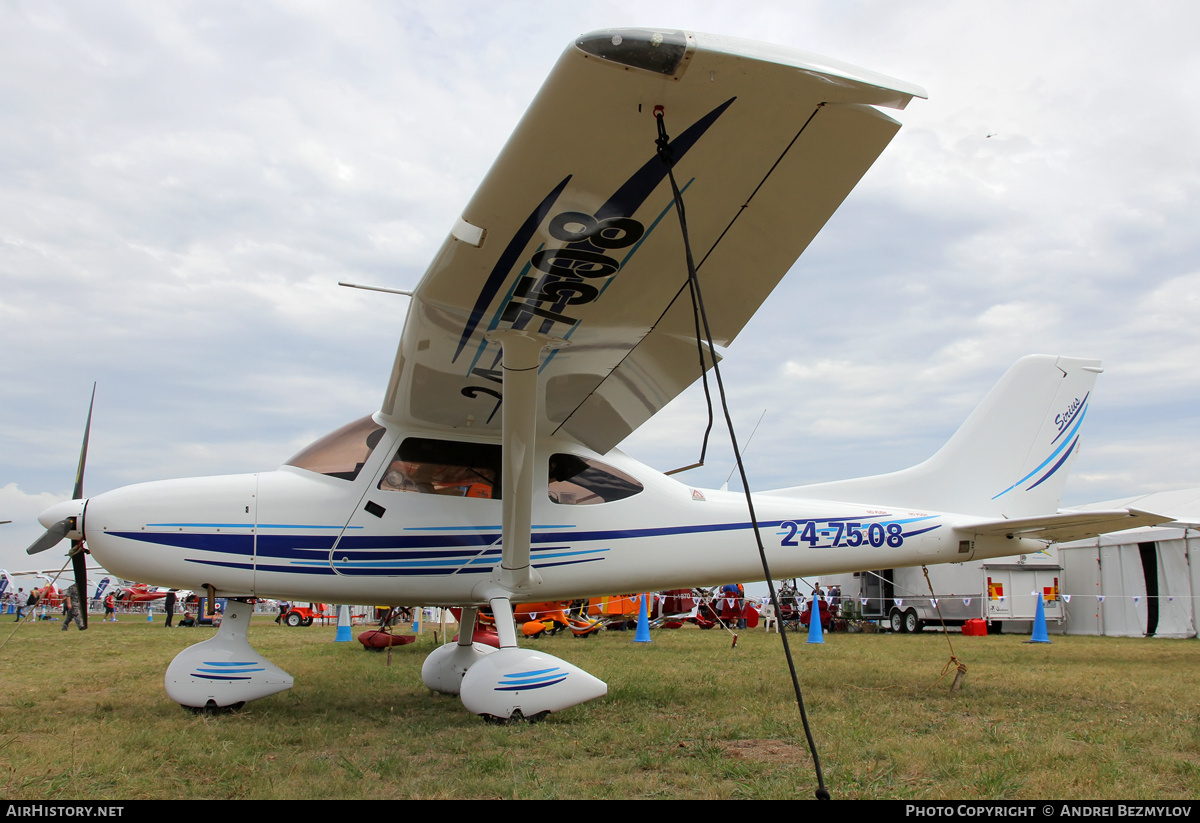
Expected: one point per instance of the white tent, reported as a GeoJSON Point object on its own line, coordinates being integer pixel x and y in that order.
{"type": "Point", "coordinates": [1131, 584]}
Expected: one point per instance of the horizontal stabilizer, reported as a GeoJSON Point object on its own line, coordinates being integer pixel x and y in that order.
{"type": "Point", "coordinates": [1067, 526]}
{"type": "Point", "coordinates": [1181, 505]}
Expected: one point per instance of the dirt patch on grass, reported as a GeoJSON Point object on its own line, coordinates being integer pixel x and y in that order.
{"type": "Point", "coordinates": [765, 751]}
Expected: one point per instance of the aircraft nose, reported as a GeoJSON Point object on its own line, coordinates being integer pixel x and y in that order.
{"type": "Point", "coordinates": [181, 533]}
{"type": "Point", "coordinates": [61, 511]}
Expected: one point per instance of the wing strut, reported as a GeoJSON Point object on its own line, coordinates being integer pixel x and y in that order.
{"type": "Point", "coordinates": [521, 352]}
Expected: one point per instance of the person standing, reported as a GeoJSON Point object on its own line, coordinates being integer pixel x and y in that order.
{"type": "Point", "coordinates": [71, 607]}
{"type": "Point", "coordinates": [170, 606]}
{"type": "Point", "coordinates": [110, 609]}
{"type": "Point", "coordinates": [35, 597]}
{"type": "Point", "coordinates": [20, 604]}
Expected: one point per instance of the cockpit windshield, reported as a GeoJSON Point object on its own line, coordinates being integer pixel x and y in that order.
{"type": "Point", "coordinates": [341, 453]}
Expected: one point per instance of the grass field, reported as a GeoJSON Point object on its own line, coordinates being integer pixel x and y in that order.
{"type": "Point", "coordinates": [85, 716]}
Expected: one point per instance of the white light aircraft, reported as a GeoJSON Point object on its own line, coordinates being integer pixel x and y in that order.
{"type": "Point", "coordinates": [554, 321]}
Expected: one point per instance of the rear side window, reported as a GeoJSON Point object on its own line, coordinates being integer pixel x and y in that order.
{"type": "Point", "coordinates": [582, 481]}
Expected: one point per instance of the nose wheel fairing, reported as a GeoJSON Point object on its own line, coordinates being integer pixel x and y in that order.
{"type": "Point", "coordinates": [224, 671]}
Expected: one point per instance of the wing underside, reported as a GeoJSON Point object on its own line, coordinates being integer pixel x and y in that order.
{"type": "Point", "coordinates": [572, 233]}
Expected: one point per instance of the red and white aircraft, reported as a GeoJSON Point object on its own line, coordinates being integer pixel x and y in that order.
{"type": "Point", "coordinates": [554, 321]}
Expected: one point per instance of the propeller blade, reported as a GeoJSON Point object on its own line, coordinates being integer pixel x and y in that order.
{"type": "Point", "coordinates": [50, 539]}
{"type": "Point", "coordinates": [87, 430]}
{"type": "Point", "coordinates": [62, 528]}
{"type": "Point", "coordinates": [79, 561]}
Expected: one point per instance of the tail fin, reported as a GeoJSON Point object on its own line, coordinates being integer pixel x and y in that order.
{"type": "Point", "coordinates": [1011, 457]}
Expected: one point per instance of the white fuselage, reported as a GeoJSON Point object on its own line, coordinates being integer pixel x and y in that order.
{"type": "Point", "coordinates": [297, 534]}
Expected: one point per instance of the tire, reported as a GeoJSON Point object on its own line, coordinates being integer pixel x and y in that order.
{"type": "Point", "coordinates": [912, 623]}
{"type": "Point", "coordinates": [897, 622]}
{"type": "Point", "coordinates": [294, 619]}
{"type": "Point", "coordinates": [308, 621]}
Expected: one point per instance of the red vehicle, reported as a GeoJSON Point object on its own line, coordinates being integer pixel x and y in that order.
{"type": "Point", "coordinates": [304, 615]}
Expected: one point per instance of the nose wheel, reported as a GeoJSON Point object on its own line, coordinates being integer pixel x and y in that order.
{"type": "Point", "coordinates": [224, 672]}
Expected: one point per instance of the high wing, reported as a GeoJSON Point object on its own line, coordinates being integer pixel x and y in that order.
{"type": "Point", "coordinates": [572, 232]}
{"type": "Point", "coordinates": [1071, 525]}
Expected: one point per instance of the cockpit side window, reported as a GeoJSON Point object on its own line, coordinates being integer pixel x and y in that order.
{"type": "Point", "coordinates": [341, 453]}
{"type": "Point", "coordinates": [582, 481]}
{"type": "Point", "coordinates": [444, 467]}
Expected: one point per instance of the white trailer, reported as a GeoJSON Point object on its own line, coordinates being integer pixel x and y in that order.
{"type": "Point", "coordinates": [1139, 582]}
{"type": "Point", "coordinates": [1003, 591]}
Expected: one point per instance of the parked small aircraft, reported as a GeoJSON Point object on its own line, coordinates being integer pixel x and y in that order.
{"type": "Point", "coordinates": [557, 318]}
{"type": "Point", "coordinates": [139, 593]}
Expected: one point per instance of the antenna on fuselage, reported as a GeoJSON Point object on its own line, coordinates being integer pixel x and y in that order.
{"type": "Point", "coordinates": [375, 288]}
{"type": "Point", "coordinates": [745, 449]}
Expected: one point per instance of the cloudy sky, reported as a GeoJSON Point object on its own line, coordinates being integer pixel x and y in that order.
{"type": "Point", "coordinates": [182, 185]}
